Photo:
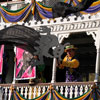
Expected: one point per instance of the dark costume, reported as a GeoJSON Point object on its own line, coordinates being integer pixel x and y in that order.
{"type": "Point", "coordinates": [61, 9]}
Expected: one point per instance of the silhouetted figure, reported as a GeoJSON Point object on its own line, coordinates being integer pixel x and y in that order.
{"type": "Point", "coordinates": [61, 9]}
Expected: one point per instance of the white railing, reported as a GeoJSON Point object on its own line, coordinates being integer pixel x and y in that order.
{"type": "Point", "coordinates": [69, 90]}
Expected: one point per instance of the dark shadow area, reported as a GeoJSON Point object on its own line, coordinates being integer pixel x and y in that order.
{"type": "Point", "coordinates": [86, 55]}
{"type": "Point", "coordinates": [8, 64]}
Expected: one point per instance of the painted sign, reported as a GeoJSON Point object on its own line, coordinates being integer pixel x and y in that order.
{"type": "Point", "coordinates": [24, 69]}
{"type": "Point", "coordinates": [1, 57]}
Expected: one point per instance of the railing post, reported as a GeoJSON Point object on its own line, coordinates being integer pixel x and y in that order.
{"type": "Point", "coordinates": [54, 71]}
{"type": "Point", "coordinates": [97, 68]}
{"type": "Point", "coordinates": [1, 93]}
{"type": "Point", "coordinates": [14, 80]}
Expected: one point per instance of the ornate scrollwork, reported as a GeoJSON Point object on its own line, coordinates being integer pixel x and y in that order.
{"type": "Point", "coordinates": [94, 34]}
{"type": "Point", "coordinates": [62, 36]}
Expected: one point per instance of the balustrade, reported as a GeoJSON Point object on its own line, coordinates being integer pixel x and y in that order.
{"type": "Point", "coordinates": [69, 90]}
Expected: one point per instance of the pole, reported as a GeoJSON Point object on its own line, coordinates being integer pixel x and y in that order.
{"type": "Point", "coordinates": [14, 68]}
{"type": "Point", "coordinates": [97, 68]}
{"type": "Point", "coordinates": [54, 71]}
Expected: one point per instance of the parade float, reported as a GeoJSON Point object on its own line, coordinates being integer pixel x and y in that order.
{"type": "Point", "coordinates": [21, 32]}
